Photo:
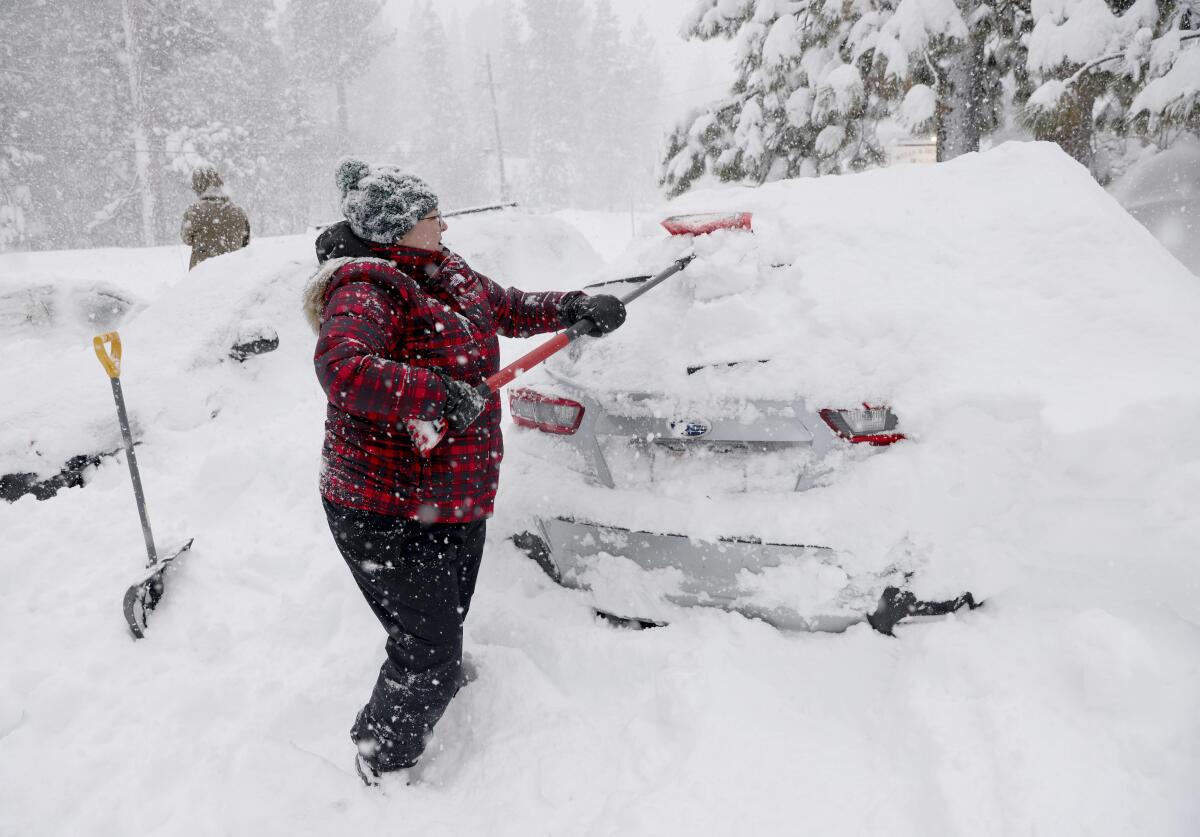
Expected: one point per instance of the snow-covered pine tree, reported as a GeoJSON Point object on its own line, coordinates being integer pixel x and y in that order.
{"type": "Point", "coordinates": [1104, 69]}
{"type": "Point", "coordinates": [975, 81]}
{"type": "Point", "coordinates": [822, 86]}
{"type": "Point", "coordinates": [748, 133]}
{"type": "Point", "coordinates": [1166, 104]}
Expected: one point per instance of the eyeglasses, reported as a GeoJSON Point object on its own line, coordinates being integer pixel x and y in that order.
{"type": "Point", "coordinates": [437, 216]}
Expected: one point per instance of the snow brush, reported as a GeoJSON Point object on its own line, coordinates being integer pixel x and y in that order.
{"type": "Point", "coordinates": [427, 434]}
{"type": "Point", "coordinates": [144, 593]}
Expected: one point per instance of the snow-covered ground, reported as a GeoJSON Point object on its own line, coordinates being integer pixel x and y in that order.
{"type": "Point", "coordinates": [1066, 706]}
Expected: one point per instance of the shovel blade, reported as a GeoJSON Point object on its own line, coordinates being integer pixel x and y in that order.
{"type": "Point", "coordinates": [143, 594]}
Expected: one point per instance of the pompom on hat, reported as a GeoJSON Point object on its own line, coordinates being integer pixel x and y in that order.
{"type": "Point", "coordinates": [381, 202]}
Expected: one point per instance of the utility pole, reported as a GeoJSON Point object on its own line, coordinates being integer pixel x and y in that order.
{"type": "Point", "coordinates": [491, 86]}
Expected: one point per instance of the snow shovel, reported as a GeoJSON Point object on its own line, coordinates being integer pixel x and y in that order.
{"type": "Point", "coordinates": [427, 434]}
{"type": "Point", "coordinates": [147, 589]}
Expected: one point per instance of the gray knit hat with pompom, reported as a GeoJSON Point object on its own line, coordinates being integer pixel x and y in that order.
{"type": "Point", "coordinates": [381, 202]}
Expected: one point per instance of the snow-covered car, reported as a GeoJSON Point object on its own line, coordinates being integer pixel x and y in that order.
{"type": "Point", "coordinates": [798, 421]}
{"type": "Point", "coordinates": [1163, 193]}
{"type": "Point", "coordinates": [191, 339]}
{"type": "Point", "coordinates": [184, 335]}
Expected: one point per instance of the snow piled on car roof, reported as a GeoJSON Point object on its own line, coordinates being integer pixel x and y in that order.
{"type": "Point", "coordinates": [1009, 274]}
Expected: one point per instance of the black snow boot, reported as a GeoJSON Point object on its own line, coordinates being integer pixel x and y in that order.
{"type": "Point", "coordinates": [366, 771]}
{"type": "Point", "coordinates": [372, 771]}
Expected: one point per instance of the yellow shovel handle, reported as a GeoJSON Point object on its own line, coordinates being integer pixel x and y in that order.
{"type": "Point", "coordinates": [110, 359]}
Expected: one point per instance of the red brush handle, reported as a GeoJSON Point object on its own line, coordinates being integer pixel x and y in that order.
{"type": "Point", "coordinates": [533, 358]}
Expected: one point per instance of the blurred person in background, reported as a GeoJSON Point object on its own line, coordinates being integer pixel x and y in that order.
{"type": "Point", "coordinates": [213, 225]}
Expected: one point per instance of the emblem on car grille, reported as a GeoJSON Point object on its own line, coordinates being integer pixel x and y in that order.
{"type": "Point", "coordinates": [689, 428]}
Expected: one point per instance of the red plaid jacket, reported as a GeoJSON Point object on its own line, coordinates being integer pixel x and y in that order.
{"type": "Point", "coordinates": [384, 329]}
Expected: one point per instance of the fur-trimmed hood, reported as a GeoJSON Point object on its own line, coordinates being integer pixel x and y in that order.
{"type": "Point", "coordinates": [313, 298]}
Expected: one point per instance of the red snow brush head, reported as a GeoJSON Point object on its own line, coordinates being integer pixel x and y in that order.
{"type": "Point", "coordinates": [705, 222]}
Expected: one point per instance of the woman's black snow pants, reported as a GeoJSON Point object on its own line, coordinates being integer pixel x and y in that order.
{"type": "Point", "coordinates": [418, 579]}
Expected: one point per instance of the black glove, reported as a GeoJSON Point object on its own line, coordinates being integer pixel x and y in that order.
{"type": "Point", "coordinates": [606, 311]}
{"type": "Point", "coordinates": [463, 404]}
{"type": "Point", "coordinates": [338, 240]}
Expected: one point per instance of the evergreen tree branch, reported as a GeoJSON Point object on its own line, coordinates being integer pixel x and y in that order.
{"type": "Point", "coordinates": [1092, 65]}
